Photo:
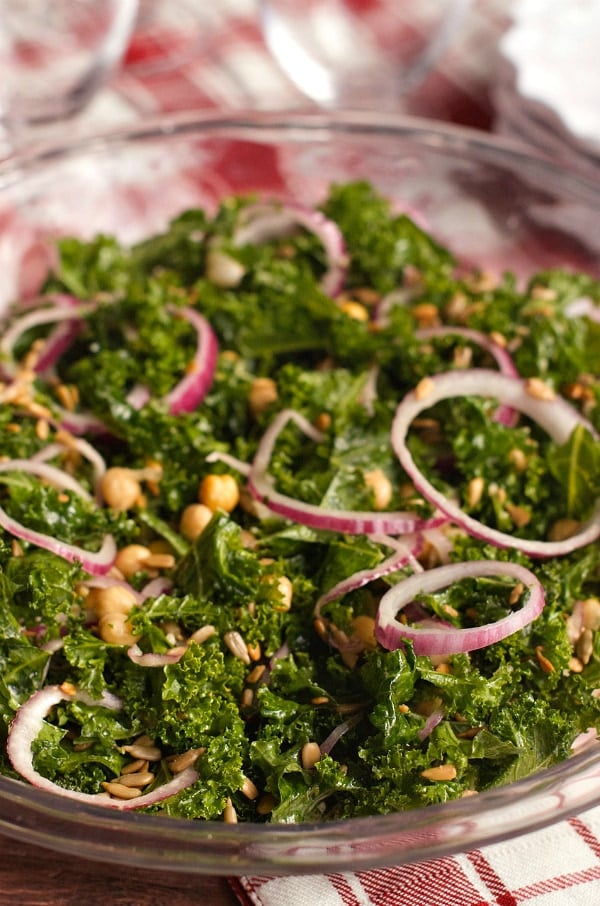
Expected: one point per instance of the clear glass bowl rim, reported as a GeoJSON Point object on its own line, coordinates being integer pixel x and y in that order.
{"type": "Point", "coordinates": [60, 824]}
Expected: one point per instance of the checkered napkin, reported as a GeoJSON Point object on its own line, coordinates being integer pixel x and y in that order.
{"type": "Point", "coordinates": [192, 55]}
{"type": "Point", "coordinates": [556, 866]}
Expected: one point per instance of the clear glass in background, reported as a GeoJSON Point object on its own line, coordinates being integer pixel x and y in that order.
{"type": "Point", "coordinates": [359, 53]}
{"type": "Point", "coordinates": [54, 56]}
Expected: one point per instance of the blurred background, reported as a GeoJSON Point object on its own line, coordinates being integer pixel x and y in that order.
{"type": "Point", "coordinates": [524, 68]}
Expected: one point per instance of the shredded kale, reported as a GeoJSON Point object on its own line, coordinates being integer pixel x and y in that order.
{"type": "Point", "coordinates": [260, 674]}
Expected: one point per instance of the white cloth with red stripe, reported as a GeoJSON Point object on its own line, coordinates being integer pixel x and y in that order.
{"type": "Point", "coordinates": [556, 866]}
{"type": "Point", "coordinates": [189, 54]}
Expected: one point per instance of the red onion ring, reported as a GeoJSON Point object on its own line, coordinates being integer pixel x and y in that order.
{"type": "Point", "coordinates": [504, 414]}
{"type": "Point", "coordinates": [155, 587]}
{"type": "Point", "coordinates": [555, 416]}
{"type": "Point", "coordinates": [584, 307]}
{"type": "Point", "coordinates": [368, 393]}
{"type": "Point", "coordinates": [97, 562]}
{"type": "Point", "coordinates": [66, 309]}
{"type": "Point", "coordinates": [502, 357]}
{"type": "Point", "coordinates": [112, 582]}
{"type": "Point", "coordinates": [79, 422]}
{"type": "Point", "coordinates": [446, 640]}
{"type": "Point", "coordinates": [138, 396]}
{"type": "Point", "coordinates": [352, 522]}
{"type": "Point", "coordinates": [430, 724]}
{"type": "Point", "coordinates": [405, 553]}
{"type": "Point", "coordinates": [232, 461]}
{"type": "Point", "coordinates": [26, 727]}
{"type": "Point", "coordinates": [191, 390]}
{"type": "Point", "coordinates": [86, 449]}
{"type": "Point", "coordinates": [274, 220]}
{"type": "Point", "coordinates": [336, 734]}
{"type": "Point", "coordinates": [152, 659]}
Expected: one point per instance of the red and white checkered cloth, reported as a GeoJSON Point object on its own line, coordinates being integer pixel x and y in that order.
{"type": "Point", "coordinates": [190, 55]}
{"type": "Point", "coordinates": [553, 867]}
{"type": "Point", "coordinates": [186, 55]}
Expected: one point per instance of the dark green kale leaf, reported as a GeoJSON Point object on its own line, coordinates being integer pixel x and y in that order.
{"type": "Point", "coordinates": [218, 566]}
{"type": "Point", "coordinates": [576, 466]}
{"type": "Point", "coordinates": [380, 244]}
{"type": "Point", "coordinates": [87, 268]}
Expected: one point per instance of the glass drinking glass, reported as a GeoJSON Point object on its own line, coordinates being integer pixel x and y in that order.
{"type": "Point", "coordinates": [54, 55]}
{"type": "Point", "coordinates": [358, 53]}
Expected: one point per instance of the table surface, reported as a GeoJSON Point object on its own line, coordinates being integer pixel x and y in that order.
{"type": "Point", "coordinates": [31, 876]}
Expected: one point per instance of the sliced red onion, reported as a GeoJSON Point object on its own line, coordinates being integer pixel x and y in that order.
{"type": "Point", "coordinates": [53, 645]}
{"type": "Point", "coordinates": [440, 541]}
{"type": "Point", "coordinates": [26, 727]}
{"type": "Point", "coordinates": [111, 582]}
{"type": "Point", "coordinates": [399, 296]}
{"type": "Point", "coordinates": [83, 447]}
{"type": "Point", "coordinates": [138, 396]}
{"type": "Point", "coordinates": [585, 741]}
{"type": "Point", "coordinates": [107, 699]}
{"type": "Point", "coordinates": [368, 393]}
{"type": "Point", "coordinates": [504, 414]}
{"type": "Point", "coordinates": [58, 478]}
{"type": "Point", "coordinates": [159, 586]}
{"type": "Point", "coordinates": [555, 416]}
{"type": "Point", "coordinates": [232, 461]}
{"type": "Point", "coordinates": [583, 307]}
{"type": "Point", "coordinates": [265, 221]}
{"type": "Point", "coordinates": [66, 311]}
{"type": "Point", "coordinates": [502, 357]}
{"type": "Point", "coordinates": [352, 522]}
{"type": "Point", "coordinates": [446, 640]}
{"type": "Point", "coordinates": [79, 422]}
{"type": "Point", "coordinates": [152, 659]}
{"type": "Point", "coordinates": [405, 553]}
{"type": "Point", "coordinates": [97, 562]}
{"type": "Point", "coordinates": [336, 734]}
{"type": "Point", "coordinates": [190, 391]}
{"type": "Point", "coordinates": [430, 724]}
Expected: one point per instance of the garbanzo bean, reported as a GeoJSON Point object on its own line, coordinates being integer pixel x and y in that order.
{"type": "Point", "coordinates": [381, 486]}
{"type": "Point", "coordinates": [262, 393]}
{"type": "Point", "coordinates": [120, 488]}
{"type": "Point", "coordinates": [130, 559]}
{"type": "Point", "coordinates": [194, 520]}
{"type": "Point", "coordinates": [114, 599]}
{"type": "Point", "coordinates": [115, 629]}
{"type": "Point", "coordinates": [219, 492]}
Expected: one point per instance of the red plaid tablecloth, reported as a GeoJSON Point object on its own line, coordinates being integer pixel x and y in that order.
{"type": "Point", "coordinates": [190, 54]}
{"type": "Point", "coordinates": [187, 56]}
{"type": "Point", "coordinates": [553, 867]}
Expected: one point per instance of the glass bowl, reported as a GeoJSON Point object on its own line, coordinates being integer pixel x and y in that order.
{"type": "Point", "coordinates": [487, 200]}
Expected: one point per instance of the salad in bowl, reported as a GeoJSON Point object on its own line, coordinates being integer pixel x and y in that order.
{"type": "Point", "coordinates": [299, 516]}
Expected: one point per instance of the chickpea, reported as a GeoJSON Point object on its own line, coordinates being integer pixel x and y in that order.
{"type": "Point", "coordinates": [381, 486]}
{"type": "Point", "coordinates": [130, 559]}
{"type": "Point", "coordinates": [120, 488]}
{"type": "Point", "coordinates": [262, 393]}
{"type": "Point", "coordinates": [115, 628]}
{"type": "Point", "coordinates": [114, 599]}
{"type": "Point", "coordinates": [219, 492]}
{"type": "Point", "coordinates": [194, 520]}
